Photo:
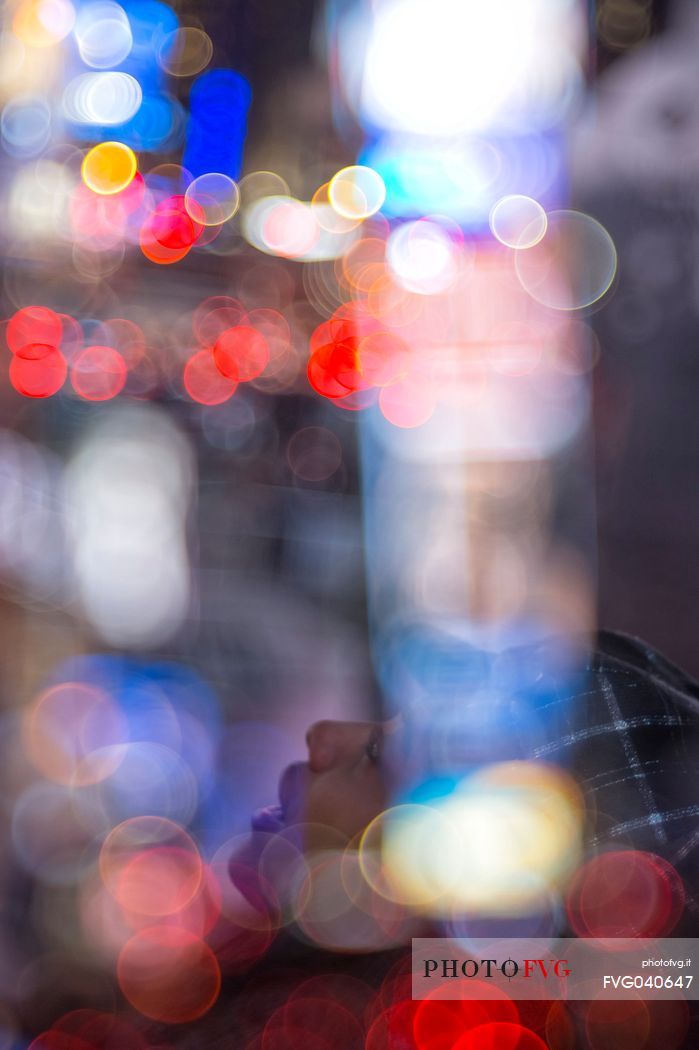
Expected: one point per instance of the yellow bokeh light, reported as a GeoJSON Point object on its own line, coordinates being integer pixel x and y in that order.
{"type": "Point", "coordinates": [401, 856]}
{"type": "Point", "coordinates": [185, 52]}
{"type": "Point", "coordinates": [504, 843]}
{"type": "Point", "coordinates": [327, 216]}
{"type": "Point", "coordinates": [356, 192]}
{"type": "Point", "coordinates": [109, 167]}
{"type": "Point", "coordinates": [523, 825]}
{"type": "Point", "coordinates": [43, 23]}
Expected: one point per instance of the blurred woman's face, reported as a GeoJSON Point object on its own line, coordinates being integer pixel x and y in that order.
{"type": "Point", "coordinates": [341, 787]}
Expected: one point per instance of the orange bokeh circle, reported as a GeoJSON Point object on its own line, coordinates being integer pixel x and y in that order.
{"type": "Point", "coordinates": [169, 974]}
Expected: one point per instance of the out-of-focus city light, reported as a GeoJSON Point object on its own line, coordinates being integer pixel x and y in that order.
{"type": "Point", "coordinates": [39, 376]}
{"type": "Point", "coordinates": [127, 513]}
{"type": "Point", "coordinates": [151, 21]}
{"type": "Point", "coordinates": [467, 67]}
{"type": "Point", "coordinates": [212, 199]}
{"type": "Point", "coordinates": [501, 843]}
{"type": "Point", "coordinates": [169, 974]}
{"type": "Point", "coordinates": [468, 80]}
{"type": "Point", "coordinates": [625, 893]}
{"type": "Point", "coordinates": [158, 124]}
{"type": "Point", "coordinates": [103, 34]}
{"type": "Point", "coordinates": [356, 192]}
{"type": "Point", "coordinates": [25, 126]}
{"type": "Point", "coordinates": [109, 167]}
{"type": "Point", "coordinates": [98, 373]}
{"type": "Point", "coordinates": [572, 265]}
{"type": "Point", "coordinates": [518, 221]}
{"type": "Point", "coordinates": [30, 514]}
{"type": "Point", "coordinates": [241, 353]}
{"type": "Point", "coordinates": [185, 52]}
{"type": "Point", "coordinates": [289, 228]}
{"type": "Point", "coordinates": [102, 98]}
{"type": "Point", "coordinates": [623, 24]}
{"type": "Point", "coordinates": [43, 23]}
{"type": "Point", "coordinates": [218, 110]}
{"type": "Point", "coordinates": [70, 733]}
{"type": "Point", "coordinates": [40, 201]}
{"type": "Point", "coordinates": [314, 453]}
{"type": "Point", "coordinates": [12, 58]}
{"type": "Point", "coordinates": [294, 229]}
{"type": "Point", "coordinates": [255, 185]}
{"type": "Point", "coordinates": [464, 178]}
{"type": "Point", "coordinates": [423, 257]}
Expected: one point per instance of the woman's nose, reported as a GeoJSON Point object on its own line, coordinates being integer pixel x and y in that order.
{"type": "Point", "coordinates": [324, 741]}
{"type": "Point", "coordinates": [336, 743]}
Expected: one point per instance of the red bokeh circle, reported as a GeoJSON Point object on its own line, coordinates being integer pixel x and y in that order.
{"type": "Point", "coordinates": [98, 373]}
{"type": "Point", "coordinates": [204, 382]}
{"type": "Point", "coordinates": [169, 974]}
{"type": "Point", "coordinates": [40, 377]}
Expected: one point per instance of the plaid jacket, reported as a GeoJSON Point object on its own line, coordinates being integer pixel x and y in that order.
{"type": "Point", "coordinates": [624, 722]}
{"type": "Point", "coordinates": [630, 736]}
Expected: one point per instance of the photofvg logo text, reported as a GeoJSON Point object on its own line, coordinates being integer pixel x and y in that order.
{"type": "Point", "coordinates": [446, 969]}
{"type": "Point", "coordinates": [570, 968]}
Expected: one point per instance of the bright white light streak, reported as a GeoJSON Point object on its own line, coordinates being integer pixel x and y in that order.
{"type": "Point", "coordinates": [40, 200]}
{"type": "Point", "coordinates": [294, 229]}
{"type": "Point", "coordinates": [57, 18]}
{"type": "Point", "coordinates": [127, 492]}
{"type": "Point", "coordinates": [32, 545]}
{"type": "Point", "coordinates": [103, 34]}
{"type": "Point", "coordinates": [463, 65]}
{"type": "Point", "coordinates": [422, 257]}
{"type": "Point", "coordinates": [102, 98]}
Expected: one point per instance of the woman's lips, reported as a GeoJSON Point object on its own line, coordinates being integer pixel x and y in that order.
{"type": "Point", "coordinates": [270, 819]}
{"type": "Point", "coordinates": [293, 784]}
